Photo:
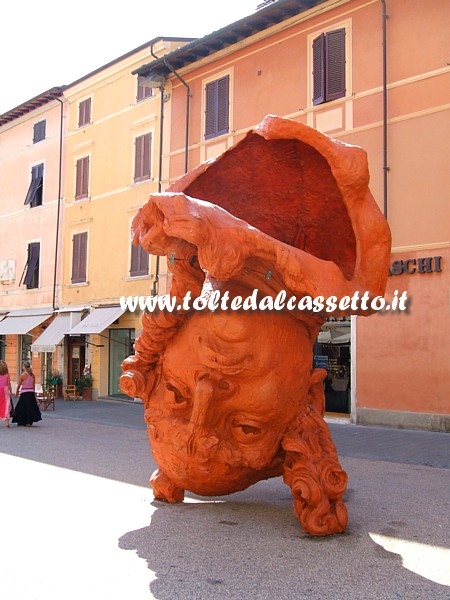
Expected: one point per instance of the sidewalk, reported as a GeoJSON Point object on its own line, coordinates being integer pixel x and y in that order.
{"type": "Point", "coordinates": [82, 523]}
{"type": "Point", "coordinates": [405, 446]}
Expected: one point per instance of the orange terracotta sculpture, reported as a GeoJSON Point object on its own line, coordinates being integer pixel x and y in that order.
{"type": "Point", "coordinates": [231, 397]}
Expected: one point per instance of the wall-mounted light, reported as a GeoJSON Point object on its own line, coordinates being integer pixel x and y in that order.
{"type": "Point", "coordinates": [152, 80]}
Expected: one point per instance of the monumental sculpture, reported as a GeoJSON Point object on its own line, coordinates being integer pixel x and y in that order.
{"type": "Point", "coordinates": [231, 396]}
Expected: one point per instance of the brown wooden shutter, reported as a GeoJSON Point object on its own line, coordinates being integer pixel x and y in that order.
{"type": "Point", "coordinates": [82, 178]}
{"type": "Point", "coordinates": [32, 275]}
{"type": "Point", "coordinates": [319, 70]}
{"type": "Point", "coordinates": [146, 158]}
{"type": "Point", "coordinates": [142, 157]}
{"type": "Point", "coordinates": [223, 86]}
{"type": "Point", "coordinates": [138, 158]}
{"type": "Point", "coordinates": [39, 132]}
{"type": "Point", "coordinates": [79, 257]}
{"type": "Point", "coordinates": [84, 112]}
{"type": "Point", "coordinates": [217, 107]}
{"type": "Point", "coordinates": [81, 114]}
{"type": "Point", "coordinates": [335, 67]}
{"type": "Point", "coordinates": [85, 181]}
{"type": "Point", "coordinates": [210, 127]}
{"type": "Point", "coordinates": [143, 92]}
{"type": "Point", "coordinates": [35, 191]}
{"type": "Point", "coordinates": [139, 261]}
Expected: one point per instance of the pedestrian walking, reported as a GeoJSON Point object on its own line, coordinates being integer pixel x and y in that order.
{"type": "Point", "coordinates": [27, 410]}
{"type": "Point", "coordinates": [5, 393]}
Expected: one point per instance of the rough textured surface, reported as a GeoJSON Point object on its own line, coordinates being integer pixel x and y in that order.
{"type": "Point", "coordinates": [231, 397]}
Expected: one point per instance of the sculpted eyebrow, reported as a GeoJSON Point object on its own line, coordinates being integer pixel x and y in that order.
{"type": "Point", "coordinates": [229, 363]}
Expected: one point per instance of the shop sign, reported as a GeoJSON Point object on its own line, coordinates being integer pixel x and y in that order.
{"type": "Point", "coordinates": [411, 266]}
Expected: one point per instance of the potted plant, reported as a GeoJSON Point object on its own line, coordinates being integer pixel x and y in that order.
{"type": "Point", "coordinates": [84, 384]}
{"type": "Point", "coordinates": [55, 381]}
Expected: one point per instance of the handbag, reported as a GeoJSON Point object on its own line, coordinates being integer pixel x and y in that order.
{"type": "Point", "coordinates": [12, 408]}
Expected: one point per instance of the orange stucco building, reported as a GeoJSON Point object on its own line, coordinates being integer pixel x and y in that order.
{"type": "Point", "coordinates": [31, 175]}
{"type": "Point", "coordinates": [349, 69]}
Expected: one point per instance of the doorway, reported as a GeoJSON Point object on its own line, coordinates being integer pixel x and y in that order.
{"type": "Point", "coordinates": [77, 356]}
{"type": "Point", "coordinates": [120, 346]}
{"type": "Point", "coordinates": [332, 353]}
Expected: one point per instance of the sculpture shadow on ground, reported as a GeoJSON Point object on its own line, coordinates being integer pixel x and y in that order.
{"type": "Point", "coordinates": [250, 545]}
{"type": "Point", "coordinates": [232, 547]}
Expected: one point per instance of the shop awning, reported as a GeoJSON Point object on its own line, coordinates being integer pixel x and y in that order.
{"type": "Point", "coordinates": [20, 322]}
{"type": "Point", "coordinates": [339, 336]}
{"type": "Point", "coordinates": [99, 319]}
{"type": "Point", "coordinates": [54, 333]}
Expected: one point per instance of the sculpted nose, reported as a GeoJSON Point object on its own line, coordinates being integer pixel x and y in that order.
{"type": "Point", "coordinates": [203, 394]}
{"type": "Point", "coordinates": [202, 397]}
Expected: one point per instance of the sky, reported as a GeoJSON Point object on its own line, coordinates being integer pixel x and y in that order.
{"type": "Point", "coordinates": [52, 43]}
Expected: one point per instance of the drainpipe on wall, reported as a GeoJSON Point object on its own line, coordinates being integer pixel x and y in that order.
{"type": "Point", "coordinates": [161, 122]}
{"type": "Point", "coordinates": [58, 213]}
{"type": "Point", "coordinates": [186, 149]}
{"type": "Point", "coordinates": [161, 129]}
{"type": "Point", "coordinates": [385, 119]}
{"type": "Point", "coordinates": [188, 95]}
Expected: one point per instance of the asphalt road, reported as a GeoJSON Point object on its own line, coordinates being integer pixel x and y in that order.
{"type": "Point", "coordinates": [79, 520]}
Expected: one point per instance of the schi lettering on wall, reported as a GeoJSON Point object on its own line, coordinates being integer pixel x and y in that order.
{"type": "Point", "coordinates": [430, 264]}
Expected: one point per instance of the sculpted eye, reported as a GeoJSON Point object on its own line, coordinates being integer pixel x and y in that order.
{"type": "Point", "coordinates": [250, 430]}
{"type": "Point", "coordinates": [176, 397]}
{"type": "Point", "coordinates": [245, 431]}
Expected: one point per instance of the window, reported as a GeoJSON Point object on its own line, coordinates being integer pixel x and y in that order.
{"type": "Point", "coordinates": [79, 257]}
{"type": "Point", "coordinates": [84, 113]}
{"type": "Point", "coordinates": [39, 132]}
{"type": "Point", "coordinates": [139, 261]}
{"type": "Point", "coordinates": [217, 107]}
{"type": "Point", "coordinates": [36, 189]}
{"type": "Point", "coordinates": [82, 178]}
{"type": "Point", "coordinates": [31, 279]}
{"type": "Point", "coordinates": [142, 150]}
{"type": "Point", "coordinates": [329, 66]}
{"type": "Point", "coordinates": [143, 92]}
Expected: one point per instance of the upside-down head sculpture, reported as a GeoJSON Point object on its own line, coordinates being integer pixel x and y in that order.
{"type": "Point", "coordinates": [231, 397]}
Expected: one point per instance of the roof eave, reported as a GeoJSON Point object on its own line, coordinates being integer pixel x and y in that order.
{"type": "Point", "coordinates": [258, 21]}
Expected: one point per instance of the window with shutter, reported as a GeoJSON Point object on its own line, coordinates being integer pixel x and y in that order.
{"type": "Point", "coordinates": [217, 107]}
{"type": "Point", "coordinates": [143, 92]}
{"type": "Point", "coordinates": [39, 131]}
{"type": "Point", "coordinates": [142, 156]}
{"type": "Point", "coordinates": [329, 66]}
{"type": "Point", "coordinates": [139, 261]}
{"type": "Point", "coordinates": [36, 189]}
{"type": "Point", "coordinates": [79, 257]}
{"type": "Point", "coordinates": [84, 113]}
{"type": "Point", "coordinates": [82, 178]}
{"type": "Point", "coordinates": [31, 279]}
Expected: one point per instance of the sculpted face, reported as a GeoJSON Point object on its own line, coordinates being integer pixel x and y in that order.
{"type": "Point", "coordinates": [231, 399]}
{"type": "Point", "coordinates": [225, 398]}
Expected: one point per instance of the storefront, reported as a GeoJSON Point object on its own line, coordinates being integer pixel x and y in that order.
{"type": "Point", "coordinates": [18, 330]}
{"type": "Point", "coordinates": [332, 353]}
{"type": "Point", "coordinates": [402, 371]}
{"type": "Point", "coordinates": [100, 342]}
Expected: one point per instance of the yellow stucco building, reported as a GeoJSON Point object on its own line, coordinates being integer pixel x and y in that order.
{"type": "Point", "coordinates": [113, 164]}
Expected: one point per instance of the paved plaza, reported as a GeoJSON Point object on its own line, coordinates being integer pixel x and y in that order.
{"type": "Point", "coordinates": [79, 520]}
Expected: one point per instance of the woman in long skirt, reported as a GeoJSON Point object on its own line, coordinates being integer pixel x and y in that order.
{"type": "Point", "coordinates": [27, 410]}
{"type": "Point", "coordinates": [5, 393]}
